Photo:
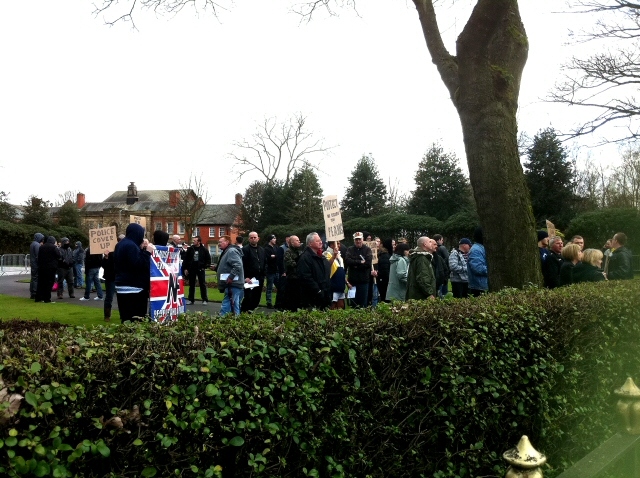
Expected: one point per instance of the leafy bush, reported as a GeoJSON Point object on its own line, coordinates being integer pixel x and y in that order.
{"type": "Point", "coordinates": [433, 388]}
{"type": "Point", "coordinates": [18, 237]}
{"type": "Point", "coordinates": [598, 226]}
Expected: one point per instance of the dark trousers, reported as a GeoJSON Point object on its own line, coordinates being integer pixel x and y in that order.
{"type": "Point", "coordinates": [292, 295]}
{"type": "Point", "coordinates": [132, 305]}
{"type": "Point", "coordinates": [460, 289]}
{"type": "Point", "coordinates": [65, 273]}
{"type": "Point", "coordinates": [362, 294]}
{"type": "Point", "coordinates": [477, 292]}
{"type": "Point", "coordinates": [192, 285]}
{"type": "Point", "coordinates": [33, 285]}
{"type": "Point", "coordinates": [46, 278]}
{"type": "Point", "coordinates": [252, 297]}
{"type": "Point", "coordinates": [282, 291]}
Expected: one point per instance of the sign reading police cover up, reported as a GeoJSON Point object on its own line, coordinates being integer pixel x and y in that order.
{"type": "Point", "coordinates": [332, 218]}
{"type": "Point", "coordinates": [102, 240]}
{"type": "Point", "coordinates": [167, 287]}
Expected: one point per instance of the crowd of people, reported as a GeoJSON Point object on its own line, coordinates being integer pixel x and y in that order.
{"type": "Point", "coordinates": [310, 275]}
{"type": "Point", "coordinates": [572, 263]}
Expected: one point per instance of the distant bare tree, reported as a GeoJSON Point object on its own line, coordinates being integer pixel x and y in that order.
{"type": "Point", "coordinates": [396, 199]}
{"type": "Point", "coordinates": [608, 79]}
{"type": "Point", "coordinates": [277, 149]}
{"type": "Point", "coordinates": [66, 196]}
{"type": "Point", "coordinates": [192, 197]}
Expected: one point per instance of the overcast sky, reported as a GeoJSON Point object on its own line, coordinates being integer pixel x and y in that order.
{"type": "Point", "coordinates": [87, 107]}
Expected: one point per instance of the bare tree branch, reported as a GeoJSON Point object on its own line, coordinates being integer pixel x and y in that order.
{"type": "Point", "coordinates": [277, 148]}
{"type": "Point", "coordinates": [123, 11]}
{"type": "Point", "coordinates": [192, 196]}
{"type": "Point", "coordinates": [608, 79]}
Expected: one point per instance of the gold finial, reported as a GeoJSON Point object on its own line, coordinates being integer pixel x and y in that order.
{"type": "Point", "coordinates": [629, 406]}
{"type": "Point", "coordinates": [629, 389]}
{"type": "Point", "coordinates": [524, 460]}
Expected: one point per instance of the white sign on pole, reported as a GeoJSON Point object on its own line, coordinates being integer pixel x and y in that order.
{"type": "Point", "coordinates": [332, 218]}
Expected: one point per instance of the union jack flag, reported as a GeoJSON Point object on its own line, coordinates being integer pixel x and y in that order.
{"type": "Point", "coordinates": [167, 286]}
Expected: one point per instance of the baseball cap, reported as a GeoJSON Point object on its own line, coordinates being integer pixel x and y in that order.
{"type": "Point", "coordinates": [358, 235]}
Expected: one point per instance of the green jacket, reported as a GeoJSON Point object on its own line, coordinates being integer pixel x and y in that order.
{"type": "Point", "coordinates": [421, 281]}
{"type": "Point", "coordinates": [397, 288]}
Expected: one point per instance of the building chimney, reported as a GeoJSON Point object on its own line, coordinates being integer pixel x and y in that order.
{"type": "Point", "coordinates": [132, 194]}
{"type": "Point", "coordinates": [79, 200]}
{"type": "Point", "coordinates": [174, 198]}
{"type": "Point", "coordinates": [238, 199]}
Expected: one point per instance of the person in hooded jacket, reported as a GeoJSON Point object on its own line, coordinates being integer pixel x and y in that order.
{"type": "Point", "coordinates": [132, 260]}
{"type": "Point", "coordinates": [109, 276]}
{"type": "Point", "coordinates": [421, 280]}
{"type": "Point", "coordinates": [399, 266]}
{"type": "Point", "coordinates": [65, 268]}
{"type": "Point", "coordinates": [477, 270]}
{"type": "Point", "coordinates": [78, 257]}
{"type": "Point", "coordinates": [48, 256]}
{"type": "Point", "coordinates": [38, 239]}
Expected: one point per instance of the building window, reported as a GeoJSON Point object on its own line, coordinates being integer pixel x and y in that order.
{"type": "Point", "coordinates": [223, 231]}
{"type": "Point", "coordinates": [158, 226]}
{"type": "Point", "coordinates": [212, 232]}
{"type": "Point", "coordinates": [181, 227]}
{"type": "Point", "coordinates": [169, 228]}
{"type": "Point", "coordinates": [196, 232]}
{"type": "Point", "coordinates": [214, 251]}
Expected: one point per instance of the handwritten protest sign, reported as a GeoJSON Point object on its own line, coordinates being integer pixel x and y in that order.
{"type": "Point", "coordinates": [373, 245]}
{"type": "Point", "coordinates": [166, 297]}
{"type": "Point", "coordinates": [551, 229]}
{"type": "Point", "coordinates": [332, 218]}
{"type": "Point", "coordinates": [138, 220]}
{"type": "Point", "coordinates": [102, 240]}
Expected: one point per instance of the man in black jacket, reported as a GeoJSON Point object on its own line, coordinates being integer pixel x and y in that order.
{"type": "Point", "coordinates": [271, 256]}
{"type": "Point", "coordinates": [314, 274]}
{"type": "Point", "coordinates": [254, 264]}
{"type": "Point", "coordinates": [620, 261]}
{"type": "Point", "coordinates": [553, 263]}
{"type": "Point", "coordinates": [197, 260]}
{"type": "Point", "coordinates": [358, 262]}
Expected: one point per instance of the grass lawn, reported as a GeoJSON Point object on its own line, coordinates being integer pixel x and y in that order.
{"type": "Point", "coordinates": [64, 312]}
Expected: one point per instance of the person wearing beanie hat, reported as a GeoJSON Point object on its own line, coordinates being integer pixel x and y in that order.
{"type": "Point", "coordinates": [65, 268]}
{"type": "Point", "coordinates": [477, 269]}
{"type": "Point", "coordinates": [458, 267]}
{"type": "Point", "coordinates": [78, 258]}
{"type": "Point", "coordinates": [543, 244]}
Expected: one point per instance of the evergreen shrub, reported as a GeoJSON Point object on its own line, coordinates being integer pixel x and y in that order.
{"type": "Point", "coordinates": [432, 388]}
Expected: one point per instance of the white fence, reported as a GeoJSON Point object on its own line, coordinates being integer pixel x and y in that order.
{"type": "Point", "coordinates": [14, 264]}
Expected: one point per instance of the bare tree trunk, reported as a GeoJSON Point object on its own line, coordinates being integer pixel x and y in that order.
{"type": "Point", "coordinates": [484, 83]}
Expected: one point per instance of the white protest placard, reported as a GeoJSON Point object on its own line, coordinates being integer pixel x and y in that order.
{"type": "Point", "coordinates": [332, 218]}
{"type": "Point", "coordinates": [138, 220]}
{"type": "Point", "coordinates": [102, 240]}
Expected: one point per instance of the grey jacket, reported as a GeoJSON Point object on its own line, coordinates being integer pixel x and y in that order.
{"type": "Point", "coordinates": [231, 263]}
{"type": "Point", "coordinates": [34, 249]}
{"type": "Point", "coordinates": [458, 267]}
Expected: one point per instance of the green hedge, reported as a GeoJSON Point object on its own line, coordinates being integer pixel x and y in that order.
{"type": "Point", "coordinates": [434, 389]}
{"type": "Point", "coordinates": [17, 237]}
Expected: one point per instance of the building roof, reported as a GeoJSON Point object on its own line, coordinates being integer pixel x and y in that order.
{"type": "Point", "coordinates": [219, 214]}
{"type": "Point", "coordinates": [151, 195]}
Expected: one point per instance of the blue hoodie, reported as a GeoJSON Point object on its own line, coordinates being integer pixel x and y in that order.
{"type": "Point", "coordinates": [132, 263]}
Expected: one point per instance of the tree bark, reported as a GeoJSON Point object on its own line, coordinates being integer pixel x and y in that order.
{"type": "Point", "coordinates": [483, 80]}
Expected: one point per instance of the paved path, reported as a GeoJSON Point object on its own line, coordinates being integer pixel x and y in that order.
{"type": "Point", "coordinates": [10, 285]}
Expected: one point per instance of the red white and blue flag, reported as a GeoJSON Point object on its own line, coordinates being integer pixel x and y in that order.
{"type": "Point", "coordinates": [167, 287]}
